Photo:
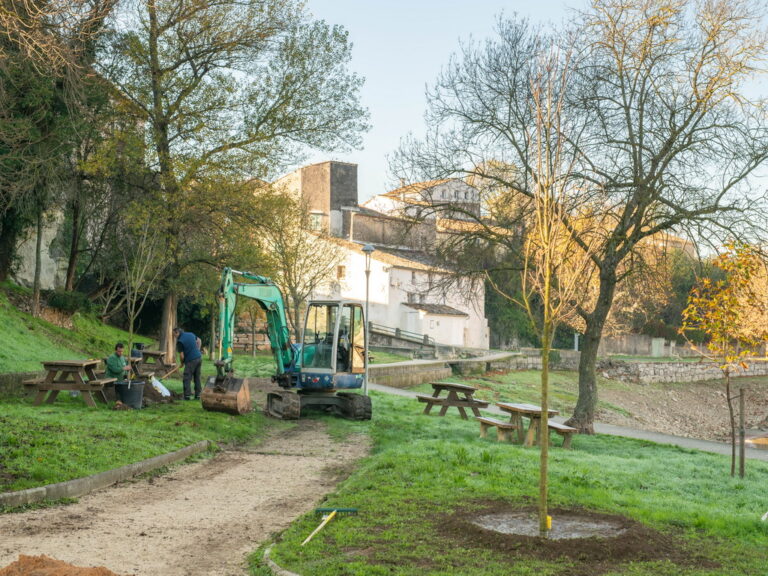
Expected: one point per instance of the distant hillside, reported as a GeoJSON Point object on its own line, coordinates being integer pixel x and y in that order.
{"type": "Point", "coordinates": [25, 341]}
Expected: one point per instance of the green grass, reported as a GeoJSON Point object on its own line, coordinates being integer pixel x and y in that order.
{"type": "Point", "coordinates": [424, 469]}
{"type": "Point", "coordinates": [384, 357]}
{"type": "Point", "coordinates": [25, 341]}
{"type": "Point", "coordinates": [65, 440]}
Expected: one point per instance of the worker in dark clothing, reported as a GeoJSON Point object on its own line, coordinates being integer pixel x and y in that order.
{"type": "Point", "coordinates": [191, 358]}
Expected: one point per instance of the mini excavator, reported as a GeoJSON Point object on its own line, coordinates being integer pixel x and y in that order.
{"type": "Point", "coordinates": [324, 370]}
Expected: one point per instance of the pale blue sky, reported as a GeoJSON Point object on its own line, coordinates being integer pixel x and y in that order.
{"type": "Point", "coordinates": [400, 47]}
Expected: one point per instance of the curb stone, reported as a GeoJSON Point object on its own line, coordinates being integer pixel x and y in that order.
{"type": "Point", "coordinates": [277, 570]}
{"type": "Point", "coordinates": [82, 486]}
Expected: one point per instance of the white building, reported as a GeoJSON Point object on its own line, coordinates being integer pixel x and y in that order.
{"type": "Point", "coordinates": [406, 290]}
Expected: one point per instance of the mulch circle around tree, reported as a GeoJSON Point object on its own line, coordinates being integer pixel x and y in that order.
{"type": "Point", "coordinates": [613, 540]}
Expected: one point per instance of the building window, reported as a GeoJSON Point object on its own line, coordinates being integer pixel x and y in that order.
{"type": "Point", "coordinates": [315, 222]}
{"type": "Point", "coordinates": [413, 277]}
{"type": "Point", "coordinates": [411, 298]}
{"type": "Point", "coordinates": [422, 298]}
{"type": "Point", "coordinates": [341, 272]}
{"type": "Point", "coordinates": [431, 323]}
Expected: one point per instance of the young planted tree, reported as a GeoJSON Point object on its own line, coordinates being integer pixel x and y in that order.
{"type": "Point", "coordinates": [555, 265]}
{"type": "Point", "coordinates": [732, 314]}
{"type": "Point", "coordinates": [227, 91]}
{"type": "Point", "coordinates": [666, 137]}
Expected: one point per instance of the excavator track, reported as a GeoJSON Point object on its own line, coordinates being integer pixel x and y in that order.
{"type": "Point", "coordinates": [357, 406]}
{"type": "Point", "coordinates": [284, 405]}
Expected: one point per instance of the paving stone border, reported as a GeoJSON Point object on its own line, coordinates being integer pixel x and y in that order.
{"type": "Point", "coordinates": [81, 486]}
{"type": "Point", "coordinates": [277, 570]}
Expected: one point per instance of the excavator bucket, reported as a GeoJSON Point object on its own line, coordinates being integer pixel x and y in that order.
{"type": "Point", "coordinates": [226, 394]}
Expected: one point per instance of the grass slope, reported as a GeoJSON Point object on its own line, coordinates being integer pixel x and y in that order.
{"type": "Point", "coordinates": [426, 468]}
{"type": "Point", "coordinates": [25, 341]}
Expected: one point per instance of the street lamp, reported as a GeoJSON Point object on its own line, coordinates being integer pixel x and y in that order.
{"type": "Point", "coordinates": [367, 251]}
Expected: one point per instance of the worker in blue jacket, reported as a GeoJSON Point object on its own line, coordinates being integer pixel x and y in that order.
{"type": "Point", "coordinates": [191, 358]}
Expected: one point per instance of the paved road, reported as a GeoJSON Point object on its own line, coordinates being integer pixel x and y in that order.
{"type": "Point", "coordinates": [692, 443]}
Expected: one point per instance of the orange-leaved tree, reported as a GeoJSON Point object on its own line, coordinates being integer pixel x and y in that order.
{"type": "Point", "coordinates": [731, 315]}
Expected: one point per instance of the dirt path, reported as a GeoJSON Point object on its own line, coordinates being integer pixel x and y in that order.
{"type": "Point", "coordinates": [199, 519]}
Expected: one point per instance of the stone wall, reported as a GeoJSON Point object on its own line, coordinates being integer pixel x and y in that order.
{"type": "Point", "coordinates": [526, 359]}
{"type": "Point", "coordinates": [403, 376]}
{"type": "Point", "coordinates": [10, 384]}
{"type": "Point", "coordinates": [660, 372]}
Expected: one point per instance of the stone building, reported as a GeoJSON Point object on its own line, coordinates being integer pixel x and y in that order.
{"type": "Point", "coordinates": [405, 287]}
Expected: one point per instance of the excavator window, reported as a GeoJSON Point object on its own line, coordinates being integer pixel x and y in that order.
{"type": "Point", "coordinates": [317, 350]}
{"type": "Point", "coordinates": [355, 338]}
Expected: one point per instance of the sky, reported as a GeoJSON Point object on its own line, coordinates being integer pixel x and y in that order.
{"type": "Point", "coordinates": [400, 46]}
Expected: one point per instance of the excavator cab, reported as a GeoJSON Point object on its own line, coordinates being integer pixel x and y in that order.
{"type": "Point", "coordinates": [333, 346]}
{"type": "Point", "coordinates": [331, 363]}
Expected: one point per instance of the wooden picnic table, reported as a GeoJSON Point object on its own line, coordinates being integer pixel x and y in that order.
{"type": "Point", "coordinates": [530, 411]}
{"type": "Point", "coordinates": [457, 395]}
{"type": "Point", "coordinates": [69, 375]}
{"type": "Point", "coordinates": [153, 362]}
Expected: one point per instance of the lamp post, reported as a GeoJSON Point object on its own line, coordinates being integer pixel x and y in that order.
{"type": "Point", "coordinates": [367, 251]}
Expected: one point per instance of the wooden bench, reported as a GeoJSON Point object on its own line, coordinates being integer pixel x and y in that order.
{"type": "Point", "coordinates": [431, 400]}
{"type": "Point", "coordinates": [565, 431]}
{"type": "Point", "coordinates": [503, 429]}
{"type": "Point", "coordinates": [32, 384]}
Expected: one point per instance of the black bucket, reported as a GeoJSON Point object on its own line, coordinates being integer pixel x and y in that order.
{"type": "Point", "coordinates": [130, 393]}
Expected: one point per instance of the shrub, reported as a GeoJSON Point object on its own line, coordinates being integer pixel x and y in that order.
{"type": "Point", "coordinates": [69, 301]}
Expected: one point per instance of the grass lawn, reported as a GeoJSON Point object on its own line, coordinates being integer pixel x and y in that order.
{"type": "Point", "coordinates": [427, 474]}
{"type": "Point", "coordinates": [52, 443]}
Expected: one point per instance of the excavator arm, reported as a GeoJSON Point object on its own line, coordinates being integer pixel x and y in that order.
{"type": "Point", "coordinates": [270, 299]}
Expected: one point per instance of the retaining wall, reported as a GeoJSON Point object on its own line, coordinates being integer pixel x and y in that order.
{"type": "Point", "coordinates": [403, 376]}
{"type": "Point", "coordinates": [10, 384]}
{"type": "Point", "coordinates": [660, 372]}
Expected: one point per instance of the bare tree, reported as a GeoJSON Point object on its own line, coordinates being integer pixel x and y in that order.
{"type": "Point", "coordinates": [303, 259]}
{"type": "Point", "coordinates": [664, 137]}
{"type": "Point", "coordinates": [141, 249]}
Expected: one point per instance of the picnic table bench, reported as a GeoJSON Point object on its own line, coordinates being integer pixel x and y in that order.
{"type": "Point", "coordinates": [530, 437]}
{"type": "Point", "coordinates": [71, 375]}
{"type": "Point", "coordinates": [153, 361]}
{"type": "Point", "coordinates": [503, 429]}
{"type": "Point", "coordinates": [459, 396]}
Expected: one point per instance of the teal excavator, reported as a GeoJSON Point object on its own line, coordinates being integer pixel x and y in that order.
{"type": "Point", "coordinates": [325, 369]}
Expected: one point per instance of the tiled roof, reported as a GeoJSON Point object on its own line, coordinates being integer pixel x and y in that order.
{"type": "Point", "coordinates": [415, 187]}
{"type": "Point", "coordinates": [438, 309]}
{"type": "Point", "coordinates": [409, 259]}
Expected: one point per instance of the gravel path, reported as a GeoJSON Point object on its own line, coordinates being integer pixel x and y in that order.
{"type": "Point", "coordinates": [198, 519]}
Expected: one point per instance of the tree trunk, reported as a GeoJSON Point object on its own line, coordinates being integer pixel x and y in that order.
{"type": "Point", "coordinates": [212, 336]}
{"type": "Point", "coordinates": [732, 420]}
{"type": "Point", "coordinates": [11, 226]}
{"type": "Point", "coordinates": [584, 414]}
{"type": "Point", "coordinates": [253, 334]}
{"type": "Point", "coordinates": [167, 342]}
{"type": "Point", "coordinates": [38, 265]}
{"type": "Point", "coordinates": [544, 432]}
{"type": "Point", "coordinates": [74, 244]}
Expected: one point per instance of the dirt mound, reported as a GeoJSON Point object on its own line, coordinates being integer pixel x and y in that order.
{"type": "Point", "coordinates": [623, 541]}
{"type": "Point", "coordinates": [46, 566]}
